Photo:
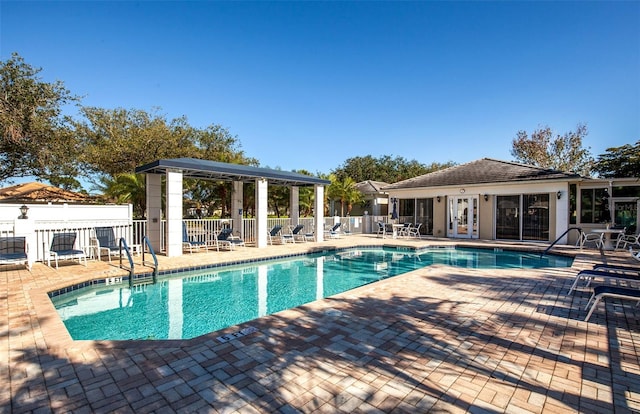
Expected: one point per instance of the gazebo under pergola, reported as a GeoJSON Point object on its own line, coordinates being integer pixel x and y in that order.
{"type": "Point", "coordinates": [176, 169]}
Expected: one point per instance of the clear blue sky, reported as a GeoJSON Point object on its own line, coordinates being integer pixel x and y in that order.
{"type": "Point", "coordinates": [306, 85]}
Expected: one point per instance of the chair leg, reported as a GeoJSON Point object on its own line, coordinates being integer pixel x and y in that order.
{"type": "Point", "coordinates": [593, 307]}
{"type": "Point", "coordinates": [575, 283]}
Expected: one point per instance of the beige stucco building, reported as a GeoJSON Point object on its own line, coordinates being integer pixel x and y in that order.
{"type": "Point", "coordinates": [499, 200]}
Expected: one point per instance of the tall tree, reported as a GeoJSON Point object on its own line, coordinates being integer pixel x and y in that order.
{"type": "Point", "coordinates": [36, 138]}
{"type": "Point", "coordinates": [620, 162]}
{"type": "Point", "coordinates": [215, 143]}
{"type": "Point", "coordinates": [119, 140]}
{"type": "Point", "coordinates": [559, 152]}
{"type": "Point", "coordinates": [385, 168]}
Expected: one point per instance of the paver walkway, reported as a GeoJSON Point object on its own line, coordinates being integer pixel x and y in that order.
{"type": "Point", "coordinates": [439, 339]}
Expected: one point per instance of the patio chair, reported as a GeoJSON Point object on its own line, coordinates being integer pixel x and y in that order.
{"type": "Point", "coordinates": [404, 230]}
{"type": "Point", "coordinates": [274, 234]}
{"type": "Point", "coordinates": [587, 238]}
{"type": "Point", "coordinates": [603, 292]}
{"type": "Point", "coordinates": [635, 255]}
{"type": "Point", "coordinates": [189, 243]}
{"type": "Point", "coordinates": [105, 242]}
{"type": "Point", "coordinates": [415, 231]}
{"type": "Point", "coordinates": [226, 238]}
{"type": "Point", "coordinates": [382, 229]}
{"type": "Point", "coordinates": [13, 250]}
{"type": "Point", "coordinates": [628, 240]}
{"type": "Point", "coordinates": [62, 248]}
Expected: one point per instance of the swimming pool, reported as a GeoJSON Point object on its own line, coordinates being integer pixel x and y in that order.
{"type": "Point", "coordinates": [193, 303]}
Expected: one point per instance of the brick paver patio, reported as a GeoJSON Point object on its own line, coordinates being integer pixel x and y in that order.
{"type": "Point", "coordinates": [439, 339]}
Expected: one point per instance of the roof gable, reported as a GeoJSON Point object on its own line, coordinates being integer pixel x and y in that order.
{"type": "Point", "coordinates": [369, 186]}
{"type": "Point", "coordinates": [483, 171]}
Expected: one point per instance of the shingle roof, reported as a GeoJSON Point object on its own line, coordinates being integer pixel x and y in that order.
{"type": "Point", "coordinates": [369, 186]}
{"type": "Point", "coordinates": [483, 171]}
{"type": "Point", "coordinates": [35, 191]}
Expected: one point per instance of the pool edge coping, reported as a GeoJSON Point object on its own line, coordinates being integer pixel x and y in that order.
{"type": "Point", "coordinates": [56, 336]}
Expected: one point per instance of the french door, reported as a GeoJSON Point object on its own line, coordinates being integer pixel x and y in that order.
{"type": "Point", "coordinates": [463, 217]}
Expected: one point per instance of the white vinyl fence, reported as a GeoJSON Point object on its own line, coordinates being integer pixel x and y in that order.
{"type": "Point", "coordinates": [47, 219]}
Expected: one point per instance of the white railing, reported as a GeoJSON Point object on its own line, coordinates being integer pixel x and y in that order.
{"type": "Point", "coordinates": [196, 227]}
{"type": "Point", "coordinates": [133, 231]}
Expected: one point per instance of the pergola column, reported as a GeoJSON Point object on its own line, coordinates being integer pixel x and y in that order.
{"type": "Point", "coordinates": [294, 203]}
{"type": "Point", "coordinates": [261, 212]}
{"type": "Point", "coordinates": [318, 212]}
{"type": "Point", "coordinates": [154, 210]}
{"type": "Point", "coordinates": [236, 208]}
{"type": "Point", "coordinates": [174, 213]}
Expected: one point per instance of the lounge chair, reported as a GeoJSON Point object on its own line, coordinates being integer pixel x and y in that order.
{"type": "Point", "coordinates": [226, 238]}
{"type": "Point", "coordinates": [105, 242]}
{"type": "Point", "coordinates": [13, 250]}
{"type": "Point", "coordinates": [606, 266]}
{"type": "Point", "coordinates": [334, 232]}
{"type": "Point", "coordinates": [298, 234]}
{"type": "Point", "coordinates": [274, 234]}
{"type": "Point", "coordinates": [293, 234]}
{"type": "Point", "coordinates": [603, 292]}
{"type": "Point", "coordinates": [62, 248]}
{"type": "Point", "coordinates": [614, 274]}
{"type": "Point", "coordinates": [189, 243]}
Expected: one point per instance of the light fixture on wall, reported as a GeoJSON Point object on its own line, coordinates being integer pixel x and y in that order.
{"type": "Point", "coordinates": [438, 199]}
{"type": "Point", "coordinates": [23, 212]}
{"type": "Point", "coordinates": [486, 197]}
{"type": "Point", "coordinates": [559, 195]}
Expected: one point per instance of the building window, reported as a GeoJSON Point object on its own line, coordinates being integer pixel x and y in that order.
{"type": "Point", "coordinates": [594, 207]}
{"type": "Point", "coordinates": [522, 217]}
{"type": "Point", "coordinates": [535, 220]}
{"type": "Point", "coordinates": [573, 203]}
{"type": "Point", "coordinates": [508, 217]}
{"type": "Point", "coordinates": [417, 211]}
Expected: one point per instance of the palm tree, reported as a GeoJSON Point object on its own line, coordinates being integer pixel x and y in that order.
{"type": "Point", "coordinates": [125, 188]}
{"type": "Point", "coordinates": [344, 190]}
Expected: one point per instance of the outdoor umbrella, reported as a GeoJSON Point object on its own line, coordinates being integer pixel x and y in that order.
{"type": "Point", "coordinates": [394, 212]}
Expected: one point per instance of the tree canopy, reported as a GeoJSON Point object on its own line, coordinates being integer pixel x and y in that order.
{"type": "Point", "coordinates": [620, 162]}
{"type": "Point", "coordinates": [385, 168]}
{"type": "Point", "coordinates": [36, 138]}
{"type": "Point", "coordinates": [559, 152]}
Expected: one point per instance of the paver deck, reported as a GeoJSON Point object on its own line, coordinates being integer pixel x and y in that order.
{"type": "Point", "coordinates": [439, 339]}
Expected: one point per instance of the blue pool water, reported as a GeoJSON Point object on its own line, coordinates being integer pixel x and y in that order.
{"type": "Point", "coordinates": [194, 303]}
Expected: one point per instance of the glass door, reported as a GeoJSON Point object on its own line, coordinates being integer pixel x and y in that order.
{"type": "Point", "coordinates": [463, 217]}
{"type": "Point", "coordinates": [625, 213]}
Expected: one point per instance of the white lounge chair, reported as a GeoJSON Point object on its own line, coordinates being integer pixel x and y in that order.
{"type": "Point", "coordinates": [605, 273]}
{"type": "Point", "coordinates": [274, 234]}
{"type": "Point", "coordinates": [13, 250]}
{"type": "Point", "coordinates": [62, 248]}
{"type": "Point", "coordinates": [189, 242]}
{"type": "Point", "coordinates": [603, 292]}
{"type": "Point", "coordinates": [226, 238]}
